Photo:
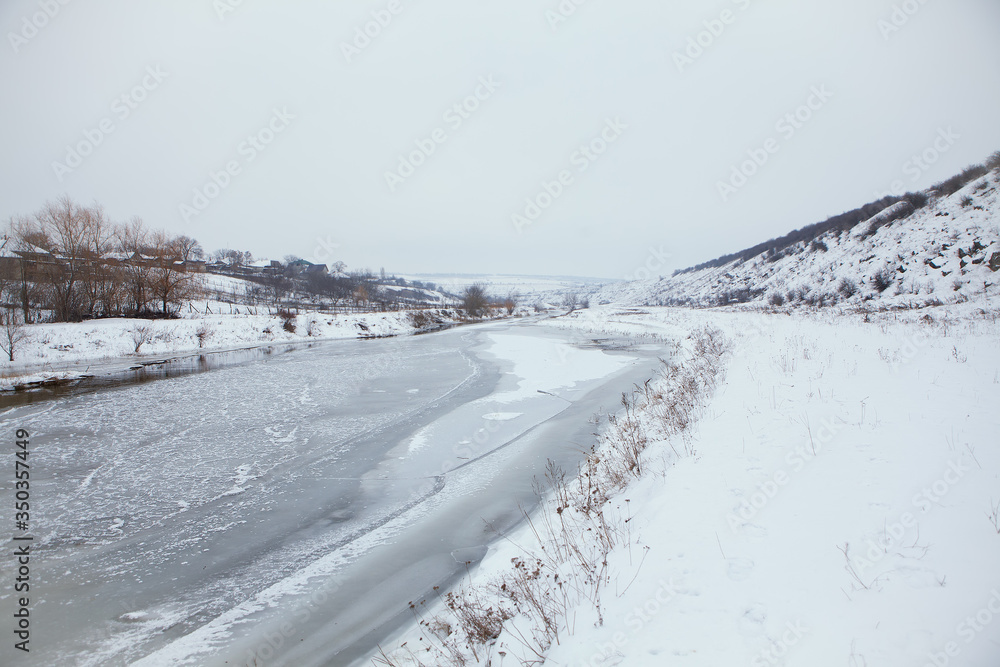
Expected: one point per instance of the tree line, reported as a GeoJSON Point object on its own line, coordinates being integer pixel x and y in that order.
{"type": "Point", "coordinates": [68, 262]}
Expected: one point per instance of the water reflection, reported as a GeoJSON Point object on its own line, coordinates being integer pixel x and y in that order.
{"type": "Point", "coordinates": [144, 371]}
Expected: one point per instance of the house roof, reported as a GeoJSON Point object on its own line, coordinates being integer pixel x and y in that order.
{"type": "Point", "coordinates": [7, 247]}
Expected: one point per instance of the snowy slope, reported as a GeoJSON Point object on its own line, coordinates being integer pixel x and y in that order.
{"type": "Point", "coordinates": [946, 252]}
{"type": "Point", "coordinates": [835, 504]}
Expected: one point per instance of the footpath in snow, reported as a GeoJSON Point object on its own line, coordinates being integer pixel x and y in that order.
{"type": "Point", "coordinates": [835, 501]}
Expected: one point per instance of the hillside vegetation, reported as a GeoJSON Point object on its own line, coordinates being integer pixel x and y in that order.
{"type": "Point", "coordinates": [922, 249]}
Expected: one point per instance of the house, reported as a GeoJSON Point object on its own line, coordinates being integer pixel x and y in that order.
{"type": "Point", "coordinates": [299, 265]}
{"type": "Point", "coordinates": [267, 268]}
{"type": "Point", "coordinates": [9, 261]}
{"type": "Point", "coordinates": [33, 261]}
{"type": "Point", "coordinates": [317, 270]}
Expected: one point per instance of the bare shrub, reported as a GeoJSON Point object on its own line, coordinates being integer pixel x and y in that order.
{"type": "Point", "coordinates": [847, 288]}
{"type": "Point", "coordinates": [628, 444]}
{"type": "Point", "coordinates": [776, 299]}
{"type": "Point", "coordinates": [419, 319]}
{"type": "Point", "coordinates": [883, 279]}
{"type": "Point", "coordinates": [12, 332]}
{"type": "Point", "coordinates": [959, 181]}
{"type": "Point", "coordinates": [141, 334]}
{"type": "Point", "coordinates": [287, 320]}
{"type": "Point", "coordinates": [481, 621]}
{"type": "Point", "coordinates": [993, 161]}
{"type": "Point", "coordinates": [203, 333]}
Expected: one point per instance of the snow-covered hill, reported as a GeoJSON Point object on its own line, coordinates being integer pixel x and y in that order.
{"type": "Point", "coordinates": [947, 251]}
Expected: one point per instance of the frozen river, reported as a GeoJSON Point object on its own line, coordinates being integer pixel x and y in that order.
{"type": "Point", "coordinates": [287, 510]}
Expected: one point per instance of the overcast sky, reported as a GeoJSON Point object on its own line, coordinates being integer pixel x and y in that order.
{"type": "Point", "coordinates": [338, 110]}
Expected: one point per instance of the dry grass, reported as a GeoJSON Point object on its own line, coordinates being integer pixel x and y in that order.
{"type": "Point", "coordinates": [518, 615]}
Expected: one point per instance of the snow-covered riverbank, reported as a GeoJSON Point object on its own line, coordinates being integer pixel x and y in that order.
{"type": "Point", "coordinates": [835, 504]}
{"type": "Point", "coordinates": [65, 350]}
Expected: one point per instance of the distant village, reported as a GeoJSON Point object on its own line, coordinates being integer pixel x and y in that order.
{"type": "Point", "coordinates": [68, 263]}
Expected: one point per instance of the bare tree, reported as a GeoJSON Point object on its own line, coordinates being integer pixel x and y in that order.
{"type": "Point", "coordinates": [8, 268]}
{"type": "Point", "coordinates": [189, 249]}
{"type": "Point", "coordinates": [361, 296]}
{"type": "Point", "coordinates": [62, 230]}
{"type": "Point", "coordinates": [234, 258]}
{"type": "Point", "coordinates": [74, 262]}
{"type": "Point", "coordinates": [570, 301]}
{"type": "Point", "coordinates": [170, 282]}
{"type": "Point", "coordinates": [475, 301]}
{"type": "Point", "coordinates": [132, 241]}
{"type": "Point", "coordinates": [22, 230]}
{"type": "Point", "coordinates": [12, 331]}
{"type": "Point", "coordinates": [99, 283]}
{"type": "Point", "coordinates": [277, 287]}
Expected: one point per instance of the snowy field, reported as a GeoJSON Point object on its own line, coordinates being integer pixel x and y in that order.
{"type": "Point", "coordinates": [550, 289]}
{"type": "Point", "coordinates": [835, 504]}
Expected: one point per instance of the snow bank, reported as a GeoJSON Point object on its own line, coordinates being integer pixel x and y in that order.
{"type": "Point", "coordinates": [838, 505]}
{"type": "Point", "coordinates": [60, 351]}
